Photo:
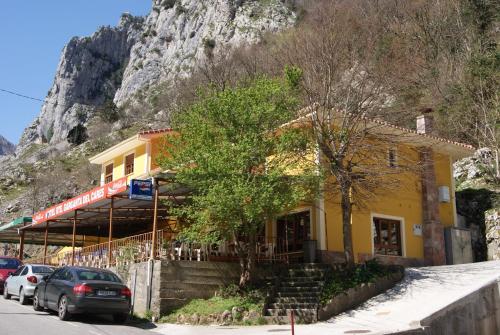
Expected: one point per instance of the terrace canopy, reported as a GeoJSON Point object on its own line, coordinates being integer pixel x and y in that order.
{"type": "Point", "coordinates": [9, 233]}
{"type": "Point", "coordinates": [109, 212]}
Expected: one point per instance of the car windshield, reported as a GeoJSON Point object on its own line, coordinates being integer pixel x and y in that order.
{"type": "Point", "coordinates": [42, 269]}
{"type": "Point", "coordinates": [85, 274]}
{"type": "Point", "coordinates": [9, 263]}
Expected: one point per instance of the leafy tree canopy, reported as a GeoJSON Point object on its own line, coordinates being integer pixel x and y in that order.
{"type": "Point", "coordinates": [240, 163]}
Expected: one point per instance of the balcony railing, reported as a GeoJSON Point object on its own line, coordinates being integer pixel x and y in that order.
{"type": "Point", "coordinates": [137, 249]}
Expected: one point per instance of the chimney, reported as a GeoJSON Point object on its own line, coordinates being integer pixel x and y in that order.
{"type": "Point", "coordinates": [425, 122]}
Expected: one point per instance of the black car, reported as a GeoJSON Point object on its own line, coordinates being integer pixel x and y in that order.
{"type": "Point", "coordinates": [76, 290]}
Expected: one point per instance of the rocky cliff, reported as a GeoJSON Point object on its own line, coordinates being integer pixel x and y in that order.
{"type": "Point", "coordinates": [89, 73]}
{"type": "Point", "coordinates": [116, 62]}
{"type": "Point", "coordinates": [6, 148]}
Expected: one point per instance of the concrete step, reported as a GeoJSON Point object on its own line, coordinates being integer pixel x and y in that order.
{"type": "Point", "coordinates": [293, 283]}
{"type": "Point", "coordinates": [306, 273]}
{"type": "Point", "coordinates": [303, 294]}
{"type": "Point", "coordinates": [288, 300]}
{"type": "Point", "coordinates": [306, 313]}
{"type": "Point", "coordinates": [299, 289]}
{"type": "Point", "coordinates": [297, 305]}
{"type": "Point", "coordinates": [309, 266]}
{"type": "Point", "coordinates": [302, 279]}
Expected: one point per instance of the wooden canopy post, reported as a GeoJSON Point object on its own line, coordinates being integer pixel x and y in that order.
{"type": "Point", "coordinates": [110, 237]}
{"type": "Point", "coordinates": [21, 245]}
{"type": "Point", "coordinates": [155, 220]}
{"type": "Point", "coordinates": [73, 239]}
{"type": "Point", "coordinates": [45, 240]}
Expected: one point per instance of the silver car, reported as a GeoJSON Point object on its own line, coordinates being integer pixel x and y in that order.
{"type": "Point", "coordinates": [22, 283]}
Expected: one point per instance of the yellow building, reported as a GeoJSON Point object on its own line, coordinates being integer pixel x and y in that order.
{"type": "Point", "coordinates": [402, 226]}
{"type": "Point", "coordinates": [134, 158]}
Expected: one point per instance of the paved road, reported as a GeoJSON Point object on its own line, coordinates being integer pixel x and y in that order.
{"type": "Point", "coordinates": [23, 320]}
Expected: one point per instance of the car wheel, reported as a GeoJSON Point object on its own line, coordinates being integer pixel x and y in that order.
{"type": "Point", "coordinates": [62, 309]}
{"type": "Point", "coordinates": [36, 302]}
{"type": "Point", "coordinates": [6, 294]}
{"type": "Point", "coordinates": [120, 318]}
{"type": "Point", "coordinates": [22, 297]}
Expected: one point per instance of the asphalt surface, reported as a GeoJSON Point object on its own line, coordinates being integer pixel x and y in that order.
{"type": "Point", "coordinates": [16, 319]}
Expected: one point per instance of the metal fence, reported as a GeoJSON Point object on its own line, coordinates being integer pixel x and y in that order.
{"type": "Point", "coordinates": [137, 248]}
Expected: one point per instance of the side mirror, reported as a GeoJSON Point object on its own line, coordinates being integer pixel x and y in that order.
{"type": "Point", "coordinates": [45, 278]}
{"type": "Point", "coordinates": [10, 274]}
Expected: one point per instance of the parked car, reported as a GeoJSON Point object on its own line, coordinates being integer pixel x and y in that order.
{"type": "Point", "coordinates": [74, 290]}
{"type": "Point", "coordinates": [8, 265]}
{"type": "Point", "coordinates": [23, 281]}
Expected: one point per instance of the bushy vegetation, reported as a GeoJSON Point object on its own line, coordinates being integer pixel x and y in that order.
{"type": "Point", "coordinates": [339, 282]}
{"type": "Point", "coordinates": [228, 299]}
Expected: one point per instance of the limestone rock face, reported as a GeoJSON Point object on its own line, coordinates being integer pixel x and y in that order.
{"type": "Point", "coordinates": [116, 62]}
{"type": "Point", "coordinates": [178, 34]}
{"type": "Point", "coordinates": [492, 223]}
{"type": "Point", "coordinates": [6, 148]}
{"type": "Point", "coordinates": [89, 73]}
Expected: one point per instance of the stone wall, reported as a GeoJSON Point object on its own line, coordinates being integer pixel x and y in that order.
{"type": "Point", "coordinates": [492, 227]}
{"type": "Point", "coordinates": [392, 260]}
{"type": "Point", "coordinates": [174, 283]}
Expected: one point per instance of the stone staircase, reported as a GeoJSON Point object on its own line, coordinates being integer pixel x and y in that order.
{"type": "Point", "coordinates": [299, 290]}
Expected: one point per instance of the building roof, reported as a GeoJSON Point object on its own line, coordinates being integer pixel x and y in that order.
{"type": "Point", "coordinates": [409, 136]}
{"type": "Point", "coordinates": [128, 144]}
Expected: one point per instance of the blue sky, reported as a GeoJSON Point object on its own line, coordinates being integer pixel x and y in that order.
{"type": "Point", "coordinates": [32, 35]}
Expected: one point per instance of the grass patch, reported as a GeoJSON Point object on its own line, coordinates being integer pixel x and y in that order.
{"type": "Point", "coordinates": [339, 282]}
{"type": "Point", "coordinates": [225, 300]}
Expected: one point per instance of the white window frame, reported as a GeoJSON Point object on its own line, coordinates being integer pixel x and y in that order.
{"type": "Point", "coordinates": [403, 232]}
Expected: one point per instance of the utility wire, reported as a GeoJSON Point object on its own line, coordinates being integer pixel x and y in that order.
{"type": "Point", "coordinates": [96, 108]}
{"type": "Point", "coordinates": [22, 95]}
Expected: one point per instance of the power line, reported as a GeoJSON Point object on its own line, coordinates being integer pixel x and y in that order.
{"type": "Point", "coordinates": [22, 95]}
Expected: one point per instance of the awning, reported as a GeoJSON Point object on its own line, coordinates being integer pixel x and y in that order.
{"type": "Point", "coordinates": [91, 210]}
{"type": "Point", "coordinates": [17, 223]}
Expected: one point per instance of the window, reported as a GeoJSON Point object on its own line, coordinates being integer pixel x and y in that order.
{"type": "Point", "coordinates": [89, 274]}
{"type": "Point", "coordinates": [66, 275]}
{"type": "Point", "coordinates": [387, 237]}
{"type": "Point", "coordinates": [9, 263]}
{"type": "Point", "coordinates": [18, 271]}
{"type": "Point", "coordinates": [129, 164]}
{"type": "Point", "coordinates": [108, 173]}
{"type": "Point", "coordinates": [392, 158]}
{"type": "Point", "coordinates": [38, 269]}
{"type": "Point", "coordinates": [25, 271]}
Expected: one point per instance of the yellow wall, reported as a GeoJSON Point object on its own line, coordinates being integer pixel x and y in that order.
{"type": "Point", "coordinates": [156, 144]}
{"type": "Point", "coordinates": [403, 202]}
{"type": "Point", "coordinates": [140, 160]}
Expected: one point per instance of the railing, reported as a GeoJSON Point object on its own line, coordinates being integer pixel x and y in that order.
{"type": "Point", "coordinates": [137, 248]}
{"type": "Point", "coordinates": [123, 251]}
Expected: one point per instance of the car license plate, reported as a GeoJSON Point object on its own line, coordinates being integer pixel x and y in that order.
{"type": "Point", "coordinates": [103, 293]}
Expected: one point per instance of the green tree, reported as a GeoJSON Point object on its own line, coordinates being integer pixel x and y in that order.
{"type": "Point", "coordinates": [240, 163]}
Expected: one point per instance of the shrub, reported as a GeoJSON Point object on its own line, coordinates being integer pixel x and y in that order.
{"type": "Point", "coordinates": [340, 281]}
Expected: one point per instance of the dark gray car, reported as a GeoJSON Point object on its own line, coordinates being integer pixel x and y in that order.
{"type": "Point", "coordinates": [79, 290]}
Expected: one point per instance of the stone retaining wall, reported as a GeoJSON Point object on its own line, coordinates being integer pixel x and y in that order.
{"type": "Point", "coordinates": [174, 283]}
{"type": "Point", "coordinates": [358, 295]}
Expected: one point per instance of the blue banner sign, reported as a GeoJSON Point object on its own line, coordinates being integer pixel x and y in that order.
{"type": "Point", "coordinates": [141, 189]}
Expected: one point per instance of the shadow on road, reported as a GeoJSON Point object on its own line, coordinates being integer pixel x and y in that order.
{"type": "Point", "coordinates": [108, 320]}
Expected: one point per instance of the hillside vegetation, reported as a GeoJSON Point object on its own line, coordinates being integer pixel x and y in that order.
{"type": "Point", "coordinates": [416, 55]}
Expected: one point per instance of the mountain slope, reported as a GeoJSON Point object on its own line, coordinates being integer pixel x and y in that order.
{"type": "Point", "coordinates": [6, 148]}
{"type": "Point", "coordinates": [116, 63]}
